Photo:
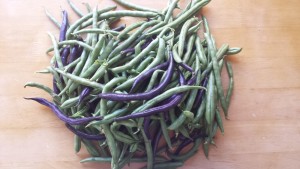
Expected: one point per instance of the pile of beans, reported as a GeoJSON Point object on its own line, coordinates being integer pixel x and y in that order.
{"type": "Point", "coordinates": [146, 92]}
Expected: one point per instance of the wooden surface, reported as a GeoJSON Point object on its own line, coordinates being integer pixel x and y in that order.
{"type": "Point", "coordinates": [263, 131]}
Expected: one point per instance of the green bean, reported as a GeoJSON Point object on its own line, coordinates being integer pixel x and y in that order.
{"type": "Point", "coordinates": [80, 80]}
{"type": "Point", "coordinates": [71, 86]}
{"type": "Point", "coordinates": [95, 53]}
{"type": "Point", "coordinates": [96, 159]}
{"type": "Point", "coordinates": [72, 64]}
{"type": "Point", "coordinates": [183, 34]}
{"type": "Point", "coordinates": [159, 25]}
{"type": "Point", "coordinates": [44, 71]}
{"type": "Point", "coordinates": [216, 71]}
{"type": "Point", "coordinates": [205, 23]}
{"type": "Point", "coordinates": [134, 6]}
{"type": "Point", "coordinates": [129, 28]}
{"type": "Point", "coordinates": [175, 54]}
{"type": "Point", "coordinates": [85, 18]}
{"type": "Point", "coordinates": [231, 83]}
{"type": "Point", "coordinates": [169, 165]}
{"type": "Point", "coordinates": [135, 59]}
{"type": "Point", "coordinates": [100, 72]}
{"type": "Point", "coordinates": [209, 98]}
{"type": "Point", "coordinates": [84, 56]}
{"type": "Point", "coordinates": [153, 79]}
{"type": "Point", "coordinates": [88, 7]}
{"type": "Point", "coordinates": [233, 51]}
{"type": "Point", "coordinates": [98, 31]}
{"type": "Point", "coordinates": [183, 17]}
{"type": "Point", "coordinates": [70, 102]}
{"type": "Point", "coordinates": [72, 42]}
{"type": "Point", "coordinates": [170, 10]}
{"type": "Point", "coordinates": [200, 52]}
{"type": "Point", "coordinates": [94, 26]}
{"type": "Point", "coordinates": [40, 86]}
{"type": "Point", "coordinates": [200, 111]}
{"type": "Point", "coordinates": [206, 147]}
{"type": "Point", "coordinates": [189, 153]}
{"type": "Point", "coordinates": [111, 145]}
{"type": "Point", "coordinates": [144, 64]}
{"type": "Point", "coordinates": [187, 7]}
{"type": "Point", "coordinates": [77, 143]}
{"type": "Point", "coordinates": [193, 58]}
{"type": "Point", "coordinates": [156, 61]}
{"type": "Point", "coordinates": [127, 13]}
{"type": "Point", "coordinates": [219, 121]}
{"type": "Point", "coordinates": [80, 112]}
{"type": "Point", "coordinates": [109, 47]}
{"type": "Point", "coordinates": [107, 88]}
{"type": "Point", "coordinates": [56, 51]}
{"type": "Point", "coordinates": [123, 152]}
{"type": "Point", "coordinates": [165, 131]}
{"type": "Point", "coordinates": [165, 95]}
{"type": "Point", "coordinates": [120, 136]}
{"type": "Point", "coordinates": [189, 49]}
{"type": "Point", "coordinates": [90, 148]}
{"type": "Point", "coordinates": [178, 122]}
{"type": "Point", "coordinates": [75, 9]}
{"type": "Point", "coordinates": [131, 38]}
{"type": "Point", "coordinates": [56, 77]}
{"type": "Point", "coordinates": [148, 150]}
{"type": "Point", "coordinates": [52, 18]}
{"type": "Point", "coordinates": [184, 132]}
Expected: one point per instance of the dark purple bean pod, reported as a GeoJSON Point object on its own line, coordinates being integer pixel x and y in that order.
{"type": "Point", "coordinates": [163, 108]}
{"type": "Point", "coordinates": [75, 53]}
{"type": "Point", "coordinates": [132, 50]}
{"type": "Point", "coordinates": [146, 125]}
{"type": "Point", "coordinates": [142, 96]}
{"type": "Point", "coordinates": [55, 88]}
{"type": "Point", "coordinates": [64, 55]}
{"type": "Point", "coordinates": [64, 26]}
{"type": "Point", "coordinates": [187, 142]}
{"type": "Point", "coordinates": [85, 135]}
{"type": "Point", "coordinates": [156, 142]}
{"type": "Point", "coordinates": [186, 67]}
{"type": "Point", "coordinates": [200, 93]}
{"type": "Point", "coordinates": [182, 145]}
{"type": "Point", "coordinates": [84, 93]}
{"type": "Point", "coordinates": [142, 77]}
{"type": "Point", "coordinates": [60, 114]}
{"type": "Point", "coordinates": [182, 81]}
{"type": "Point", "coordinates": [119, 28]}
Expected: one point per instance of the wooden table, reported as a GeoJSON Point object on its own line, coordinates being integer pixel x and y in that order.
{"type": "Point", "coordinates": [263, 130]}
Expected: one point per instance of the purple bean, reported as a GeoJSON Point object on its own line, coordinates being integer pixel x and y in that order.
{"type": "Point", "coordinates": [186, 67]}
{"type": "Point", "coordinates": [60, 114]}
{"type": "Point", "coordinates": [55, 88]}
{"type": "Point", "coordinates": [75, 53]}
{"type": "Point", "coordinates": [182, 145]}
{"type": "Point", "coordinates": [187, 141]}
{"type": "Point", "coordinates": [64, 55]}
{"type": "Point", "coordinates": [85, 92]}
{"type": "Point", "coordinates": [64, 26]}
{"type": "Point", "coordinates": [132, 50]}
{"type": "Point", "coordinates": [146, 127]}
{"type": "Point", "coordinates": [163, 108]}
{"type": "Point", "coordinates": [119, 28]}
{"type": "Point", "coordinates": [147, 74]}
{"type": "Point", "coordinates": [85, 135]}
{"type": "Point", "coordinates": [143, 96]}
{"type": "Point", "coordinates": [156, 142]}
{"type": "Point", "coordinates": [200, 94]}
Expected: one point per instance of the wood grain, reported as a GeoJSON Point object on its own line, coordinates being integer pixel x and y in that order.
{"type": "Point", "coordinates": [263, 131]}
